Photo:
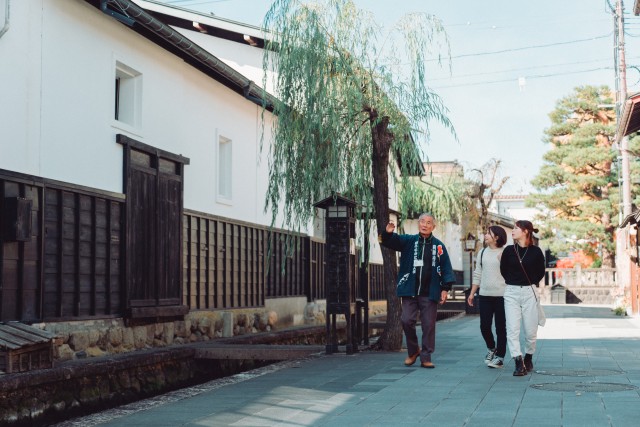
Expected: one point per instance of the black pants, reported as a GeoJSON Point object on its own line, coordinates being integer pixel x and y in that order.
{"type": "Point", "coordinates": [490, 308]}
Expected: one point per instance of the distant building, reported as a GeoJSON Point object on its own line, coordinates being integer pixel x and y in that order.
{"type": "Point", "coordinates": [513, 206]}
{"type": "Point", "coordinates": [449, 168]}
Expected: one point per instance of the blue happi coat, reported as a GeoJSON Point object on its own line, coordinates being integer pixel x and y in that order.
{"type": "Point", "coordinates": [442, 276]}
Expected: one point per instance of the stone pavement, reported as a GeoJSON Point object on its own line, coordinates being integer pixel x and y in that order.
{"type": "Point", "coordinates": [587, 373]}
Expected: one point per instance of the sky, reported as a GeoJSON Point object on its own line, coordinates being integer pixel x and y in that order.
{"type": "Point", "coordinates": [512, 60]}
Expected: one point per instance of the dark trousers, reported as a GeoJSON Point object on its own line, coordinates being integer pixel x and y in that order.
{"type": "Point", "coordinates": [490, 308]}
{"type": "Point", "coordinates": [428, 316]}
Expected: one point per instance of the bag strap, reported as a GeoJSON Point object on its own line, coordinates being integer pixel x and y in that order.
{"type": "Point", "coordinates": [481, 254]}
{"type": "Point", "coordinates": [523, 270]}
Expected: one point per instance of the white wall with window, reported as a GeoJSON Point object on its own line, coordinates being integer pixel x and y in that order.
{"type": "Point", "coordinates": [79, 77]}
{"type": "Point", "coordinates": [127, 98]}
{"type": "Point", "coordinates": [225, 170]}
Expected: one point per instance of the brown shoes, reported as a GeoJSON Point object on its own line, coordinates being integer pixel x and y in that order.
{"type": "Point", "coordinates": [411, 359]}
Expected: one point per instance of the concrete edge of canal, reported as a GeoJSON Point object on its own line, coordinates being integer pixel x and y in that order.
{"type": "Point", "coordinates": [81, 387]}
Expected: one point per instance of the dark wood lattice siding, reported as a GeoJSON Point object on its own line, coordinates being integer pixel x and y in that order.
{"type": "Point", "coordinates": [286, 273]}
{"type": "Point", "coordinates": [223, 263]}
{"type": "Point", "coordinates": [72, 265]}
{"type": "Point", "coordinates": [153, 182]}
{"type": "Point", "coordinates": [142, 238]}
{"type": "Point", "coordinates": [376, 283]}
{"type": "Point", "coordinates": [69, 267]}
{"type": "Point", "coordinates": [20, 280]}
{"type": "Point", "coordinates": [82, 252]}
{"type": "Point", "coordinates": [170, 223]}
{"type": "Point", "coordinates": [315, 282]}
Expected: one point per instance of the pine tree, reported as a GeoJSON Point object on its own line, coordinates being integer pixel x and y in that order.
{"type": "Point", "coordinates": [578, 180]}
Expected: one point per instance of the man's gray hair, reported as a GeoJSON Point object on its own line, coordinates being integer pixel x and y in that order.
{"type": "Point", "coordinates": [427, 214]}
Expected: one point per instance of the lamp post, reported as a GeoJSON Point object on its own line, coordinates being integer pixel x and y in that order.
{"type": "Point", "coordinates": [340, 269]}
{"type": "Point", "coordinates": [470, 246]}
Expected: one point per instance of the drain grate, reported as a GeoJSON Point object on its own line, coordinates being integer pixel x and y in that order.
{"type": "Point", "coordinates": [593, 387]}
{"type": "Point", "coordinates": [578, 372]}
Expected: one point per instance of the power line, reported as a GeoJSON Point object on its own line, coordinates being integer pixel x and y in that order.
{"type": "Point", "coordinates": [515, 49]}
{"type": "Point", "coordinates": [475, 27]}
{"type": "Point", "coordinates": [542, 18]}
{"type": "Point", "coordinates": [528, 77]}
{"type": "Point", "coordinates": [523, 69]}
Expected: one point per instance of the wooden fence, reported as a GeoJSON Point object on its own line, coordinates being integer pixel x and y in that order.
{"type": "Point", "coordinates": [225, 264]}
{"type": "Point", "coordinates": [71, 264]}
{"type": "Point", "coordinates": [376, 282]}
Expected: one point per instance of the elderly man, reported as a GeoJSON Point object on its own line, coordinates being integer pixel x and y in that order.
{"type": "Point", "coordinates": [424, 281]}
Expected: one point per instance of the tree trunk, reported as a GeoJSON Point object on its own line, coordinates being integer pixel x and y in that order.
{"type": "Point", "coordinates": [608, 257]}
{"type": "Point", "coordinates": [391, 338]}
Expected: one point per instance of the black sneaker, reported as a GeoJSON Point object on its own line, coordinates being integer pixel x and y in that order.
{"type": "Point", "coordinates": [528, 363]}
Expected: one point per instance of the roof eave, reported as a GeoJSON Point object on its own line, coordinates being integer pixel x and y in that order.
{"type": "Point", "coordinates": [163, 35]}
{"type": "Point", "coordinates": [629, 117]}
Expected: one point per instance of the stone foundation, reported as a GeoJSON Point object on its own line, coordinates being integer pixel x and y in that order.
{"type": "Point", "coordinates": [583, 294]}
{"type": "Point", "coordinates": [39, 398]}
{"type": "Point", "coordinates": [97, 338]}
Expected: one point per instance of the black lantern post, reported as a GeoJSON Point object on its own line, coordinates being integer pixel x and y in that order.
{"type": "Point", "coordinates": [340, 268]}
{"type": "Point", "coordinates": [470, 246]}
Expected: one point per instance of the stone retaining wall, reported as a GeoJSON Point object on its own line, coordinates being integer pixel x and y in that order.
{"type": "Point", "coordinates": [98, 338]}
{"type": "Point", "coordinates": [79, 387]}
{"type": "Point", "coordinates": [39, 398]}
{"type": "Point", "coordinates": [583, 285]}
{"type": "Point", "coordinates": [583, 294]}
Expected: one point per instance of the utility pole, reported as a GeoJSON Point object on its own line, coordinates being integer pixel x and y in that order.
{"type": "Point", "coordinates": [624, 142]}
{"type": "Point", "coordinates": [623, 261]}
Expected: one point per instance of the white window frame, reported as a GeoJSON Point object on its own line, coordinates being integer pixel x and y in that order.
{"type": "Point", "coordinates": [127, 97]}
{"type": "Point", "coordinates": [224, 155]}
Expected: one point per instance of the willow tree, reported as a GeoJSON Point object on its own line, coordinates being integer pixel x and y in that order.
{"type": "Point", "coordinates": [445, 197]}
{"type": "Point", "coordinates": [351, 99]}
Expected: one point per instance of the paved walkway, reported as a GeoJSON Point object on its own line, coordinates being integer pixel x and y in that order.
{"type": "Point", "coordinates": [587, 373]}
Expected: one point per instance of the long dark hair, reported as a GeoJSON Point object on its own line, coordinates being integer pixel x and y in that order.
{"type": "Point", "coordinates": [501, 235]}
{"type": "Point", "coordinates": [528, 228]}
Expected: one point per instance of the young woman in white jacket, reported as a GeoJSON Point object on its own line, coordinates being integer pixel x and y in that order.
{"type": "Point", "coordinates": [488, 279]}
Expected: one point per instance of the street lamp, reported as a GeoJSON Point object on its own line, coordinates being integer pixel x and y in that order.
{"type": "Point", "coordinates": [470, 246]}
{"type": "Point", "coordinates": [470, 243]}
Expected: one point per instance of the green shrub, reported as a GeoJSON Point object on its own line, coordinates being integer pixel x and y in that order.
{"type": "Point", "coordinates": [620, 311]}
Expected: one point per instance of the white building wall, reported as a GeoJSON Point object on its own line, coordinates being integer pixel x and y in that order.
{"type": "Point", "coordinates": [20, 65]}
{"type": "Point", "coordinates": [57, 114]}
{"type": "Point", "coordinates": [245, 59]}
{"type": "Point", "coordinates": [514, 208]}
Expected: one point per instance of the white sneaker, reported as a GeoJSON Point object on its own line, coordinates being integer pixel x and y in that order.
{"type": "Point", "coordinates": [489, 357]}
{"type": "Point", "coordinates": [496, 362]}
